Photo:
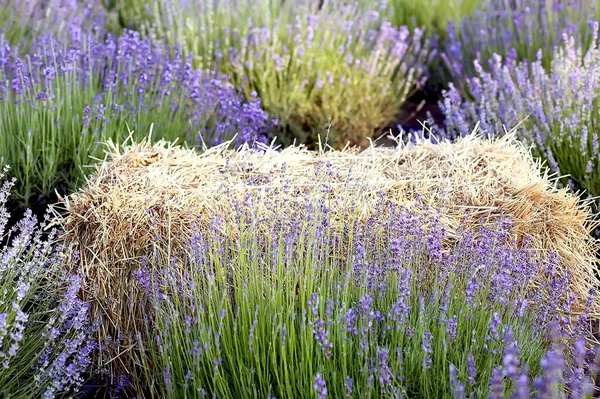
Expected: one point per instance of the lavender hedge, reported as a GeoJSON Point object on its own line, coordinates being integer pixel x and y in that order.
{"type": "Point", "coordinates": [63, 97]}
{"type": "Point", "coordinates": [559, 109]}
{"type": "Point", "coordinates": [22, 21]}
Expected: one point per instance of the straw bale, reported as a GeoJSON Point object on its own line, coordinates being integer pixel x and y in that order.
{"type": "Point", "coordinates": [472, 181]}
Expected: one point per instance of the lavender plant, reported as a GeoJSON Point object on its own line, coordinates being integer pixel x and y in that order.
{"type": "Point", "coordinates": [64, 97]}
{"type": "Point", "coordinates": [22, 21]}
{"type": "Point", "coordinates": [45, 335]}
{"type": "Point", "coordinates": [373, 309]}
{"type": "Point", "coordinates": [307, 66]}
{"type": "Point", "coordinates": [559, 109]}
{"type": "Point", "coordinates": [516, 30]}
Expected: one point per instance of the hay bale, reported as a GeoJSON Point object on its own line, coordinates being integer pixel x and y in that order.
{"type": "Point", "coordinates": [473, 181]}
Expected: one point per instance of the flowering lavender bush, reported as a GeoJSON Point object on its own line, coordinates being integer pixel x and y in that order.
{"type": "Point", "coordinates": [21, 21]}
{"type": "Point", "coordinates": [63, 98]}
{"type": "Point", "coordinates": [561, 107]}
{"type": "Point", "coordinates": [307, 66]}
{"type": "Point", "coordinates": [516, 30]}
{"type": "Point", "coordinates": [45, 334]}
{"type": "Point", "coordinates": [375, 309]}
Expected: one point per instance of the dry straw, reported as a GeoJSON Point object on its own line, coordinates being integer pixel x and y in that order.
{"type": "Point", "coordinates": [143, 191]}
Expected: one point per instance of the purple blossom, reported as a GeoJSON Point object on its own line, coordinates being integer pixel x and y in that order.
{"type": "Point", "coordinates": [320, 387]}
{"type": "Point", "coordinates": [471, 369]}
{"type": "Point", "coordinates": [457, 387]}
{"type": "Point", "coordinates": [496, 384]}
{"type": "Point", "coordinates": [511, 355]}
{"type": "Point", "coordinates": [384, 372]}
{"type": "Point", "coordinates": [348, 385]}
{"type": "Point", "coordinates": [321, 335]}
{"type": "Point", "coordinates": [168, 379]}
{"type": "Point", "coordinates": [451, 327]}
{"type": "Point", "coordinates": [426, 348]}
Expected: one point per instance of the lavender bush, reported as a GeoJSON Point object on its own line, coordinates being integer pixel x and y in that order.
{"type": "Point", "coordinates": [45, 334]}
{"type": "Point", "coordinates": [516, 30]}
{"type": "Point", "coordinates": [64, 97]}
{"type": "Point", "coordinates": [306, 66]}
{"type": "Point", "coordinates": [374, 309]}
{"type": "Point", "coordinates": [559, 109]}
{"type": "Point", "coordinates": [22, 21]}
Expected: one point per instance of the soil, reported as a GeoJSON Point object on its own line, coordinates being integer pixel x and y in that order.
{"type": "Point", "coordinates": [413, 113]}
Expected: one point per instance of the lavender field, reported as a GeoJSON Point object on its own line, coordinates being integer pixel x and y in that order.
{"type": "Point", "coordinates": [299, 199]}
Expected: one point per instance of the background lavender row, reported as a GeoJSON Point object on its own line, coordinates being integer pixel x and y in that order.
{"type": "Point", "coordinates": [307, 63]}
{"type": "Point", "coordinates": [516, 30]}
{"type": "Point", "coordinates": [62, 98]}
{"type": "Point", "coordinates": [559, 109]}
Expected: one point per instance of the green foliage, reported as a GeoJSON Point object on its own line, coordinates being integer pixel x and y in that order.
{"type": "Point", "coordinates": [434, 15]}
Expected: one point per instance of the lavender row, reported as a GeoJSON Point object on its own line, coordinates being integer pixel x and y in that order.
{"type": "Point", "coordinates": [63, 97]}
{"type": "Point", "coordinates": [376, 307]}
{"type": "Point", "coordinates": [554, 111]}
{"type": "Point", "coordinates": [307, 63]}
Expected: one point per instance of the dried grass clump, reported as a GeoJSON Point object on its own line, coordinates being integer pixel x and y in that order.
{"type": "Point", "coordinates": [143, 191]}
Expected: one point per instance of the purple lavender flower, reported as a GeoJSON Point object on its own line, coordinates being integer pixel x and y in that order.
{"type": "Point", "coordinates": [348, 384]}
{"type": "Point", "coordinates": [320, 387]}
{"type": "Point", "coordinates": [458, 388]}
{"type": "Point", "coordinates": [511, 355]}
{"type": "Point", "coordinates": [522, 390]}
{"type": "Point", "coordinates": [451, 327]}
{"type": "Point", "coordinates": [321, 335]}
{"type": "Point", "coordinates": [384, 372]}
{"type": "Point", "coordinates": [496, 384]}
{"type": "Point", "coordinates": [168, 378]}
{"type": "Point", "coordinates": [471, 369]}
{"type": "Point", "coordinates": [427, 350]}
